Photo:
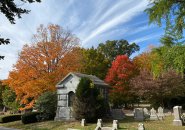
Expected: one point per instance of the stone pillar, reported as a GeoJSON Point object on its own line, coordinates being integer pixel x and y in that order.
{"type": "Point", "coordinates": [141, 126]}
{"type": "Point", "coordinates": [83, 122]}
{"type": "Point", "coordinates": [115, 125]}
{"type": "Point", "coordinates": [177, 116]}
{"type": "Point", "coordinates": [99, 123]}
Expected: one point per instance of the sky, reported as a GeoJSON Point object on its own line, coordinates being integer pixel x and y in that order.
{"type": "Point", "coordinates": [93, 21]}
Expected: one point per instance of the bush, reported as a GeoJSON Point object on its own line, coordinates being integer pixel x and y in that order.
{"type": "Point", "coordinates": [10, 118]}
{"type": "Point", "coordinates": [88, 103]}
{"type": "Point", "coordinates": [9, 100]}
{"type": "Point", "coordinates": [30, 117]}
{"type": "Point", "coordinates": [47, 105]}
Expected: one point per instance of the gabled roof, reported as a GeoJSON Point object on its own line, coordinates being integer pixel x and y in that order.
{"type": "Point", "coordinates": [93, 78]}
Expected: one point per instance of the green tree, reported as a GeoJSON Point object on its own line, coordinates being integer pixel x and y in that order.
{"type": "Point", "coordinates": [94, 63]}
{"type": "Point", "coordinates": [47, 105]}
{"type": "Point", "coordinates": [165, 58]}
{"type": "Point", "coordinates": [117, 47]}
{"type": "Point", "coordinates": [2, 88]}
{"type": "Point", "coordinates": [88, 103]}
{"type": "Point", "coordinates": [172, 12]}
{"type": "Point", "coordinates": [11, 10]}
{"type": "Point", "coordinates": [9, 99]}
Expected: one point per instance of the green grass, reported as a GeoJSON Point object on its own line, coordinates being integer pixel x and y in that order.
{"type": "Point", "coordinates": [126, 124]}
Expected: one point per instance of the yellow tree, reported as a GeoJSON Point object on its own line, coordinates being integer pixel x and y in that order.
{"type": "Point", "coordinates": [42, 64]}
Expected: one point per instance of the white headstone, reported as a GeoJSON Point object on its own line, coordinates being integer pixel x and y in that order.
{"type": "Point", "coordinates": [115, 124]}
{"type": "Point", "coordinates": [139, 114]}
{"type": "Point", "coordinates": [153, 114]}
{"type": "Point", "coordinates": [99, 123]}
{"type": "Point", "coordinates": [146, 113]}
{"type": "Point", "coordinates": [141, 126]}
{"type": "Point", "coordinates": [83, 122]}
{"type": "Point", "coordinates": [177, 116]}
{"type": "Point", "coordinates": [160, 113]}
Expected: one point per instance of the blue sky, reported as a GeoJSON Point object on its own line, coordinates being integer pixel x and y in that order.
{"type": "Point", "coordinates": [93, 21]}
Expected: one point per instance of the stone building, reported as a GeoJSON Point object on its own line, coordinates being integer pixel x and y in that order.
{"type": "Point", "coordinates": [66, 92]}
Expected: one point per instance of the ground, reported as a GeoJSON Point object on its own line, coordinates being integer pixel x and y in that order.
{"type": "Point", "coordinates": [126, 124]}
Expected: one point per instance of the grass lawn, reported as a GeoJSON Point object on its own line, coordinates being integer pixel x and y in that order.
{"type": "Point", "coordinates": [126, 124]}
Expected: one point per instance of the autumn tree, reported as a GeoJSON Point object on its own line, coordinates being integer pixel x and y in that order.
{"type": "Point", "coordinates": [94, 63]}
{"type": "Point", "coordinates": [117, 47]}
{"type": "Point", "coordinates": [158, 91]}
{"type": "Point", "coordinates": [161, 73]}
{"type": "Point", "coordinates": [53, 53]}
{"type": "Point", "coordinates": [11, 10]}
{"type": "Point", "coordinates": [119, 76]}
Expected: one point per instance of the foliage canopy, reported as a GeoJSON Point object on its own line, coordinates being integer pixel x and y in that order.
{"type": "Point", "coordinates": [42, 64]}
{"type": "Point", "coordinates": [170, 11]}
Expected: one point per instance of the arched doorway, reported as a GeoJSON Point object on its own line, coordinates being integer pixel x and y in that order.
{"type": "Point", "coordinates": [71, 96]}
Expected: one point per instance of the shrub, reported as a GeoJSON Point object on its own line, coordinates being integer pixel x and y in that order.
{"type": "Point", "coordinates": [9, 100]}
{"type": "Point", "coordinates": [10, 118]}
{"type": "Point", "coordinates": [47, 104]}
{"type": "Point", "coordinates": [30, 117]}
{"type": "Point", "coordinates": [88, 103]}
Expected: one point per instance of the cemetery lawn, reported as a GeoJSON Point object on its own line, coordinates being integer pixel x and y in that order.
{"type": "Point", "coordinates": [126, 124]}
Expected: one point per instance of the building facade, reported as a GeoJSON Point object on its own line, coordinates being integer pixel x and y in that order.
{"type": "Point", "coordinates": [66, 93]}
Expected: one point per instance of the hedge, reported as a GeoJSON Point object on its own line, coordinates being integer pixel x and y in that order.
{"type": "Point", "coordinates": [30, 117]}
{"type": "Point", "coordinates": [10, 118]}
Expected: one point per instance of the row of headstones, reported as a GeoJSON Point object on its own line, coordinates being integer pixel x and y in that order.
{"type": "Point", "coordinates": [115, 125]}
{"type": "Point", "coordinates": [142, 113]}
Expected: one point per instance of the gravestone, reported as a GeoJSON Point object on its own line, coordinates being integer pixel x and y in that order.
{"type": "Point", "coordinates": [99, 123]}
{"type": "Point", "coordinates": [141, 126]}
{"type": "Point", "coordinates": [146, 113]}
{"type": "Point", "coordinates": [177, 115]}
{"type": "Point", "coordinates": [138, 114]}
{"type": "Point", "coordinates": [160, 113]}
{"type": "Point", "coordinates": [115, 125]}
{"type": "Point", "coordinates": [153, 114]}
{"type": "Point", "coordinates": [4, 109]}
{"type": "Point", "coordinates": [117, 114]}
{"type": "Point", "coordinates": [83, 122]}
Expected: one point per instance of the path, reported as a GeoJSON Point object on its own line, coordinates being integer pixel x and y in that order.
{"type": "Point", "coordinates": [4, 128]}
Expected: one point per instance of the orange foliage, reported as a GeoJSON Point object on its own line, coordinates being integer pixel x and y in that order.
{"type": "Point", "coordinates": [143, 61]}
{"type": "Point", "coordinates": [42, 64]}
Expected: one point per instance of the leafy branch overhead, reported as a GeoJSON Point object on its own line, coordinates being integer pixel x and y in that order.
{"type": "Point", "coordinates": [170, 11]}
{"type": "Point", "coordinates": [11, 10]}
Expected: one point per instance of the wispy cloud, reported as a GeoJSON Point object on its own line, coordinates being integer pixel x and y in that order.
{"type": "Point", "coordinates": [93, 21]}
{"type": "Point", "coordinates": [145, 38]}
{"type": "Point", "coordinates": [122, 18]}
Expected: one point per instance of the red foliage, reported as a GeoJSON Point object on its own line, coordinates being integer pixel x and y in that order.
{"type": "Point", "coordinates": [120, 73]}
